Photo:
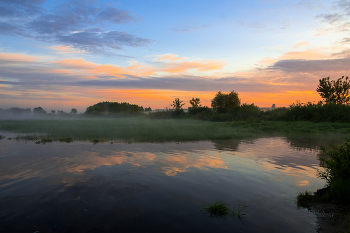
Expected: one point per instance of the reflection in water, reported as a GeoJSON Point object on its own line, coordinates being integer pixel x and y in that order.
{"type": "Point", "coordinates": [154, 187]}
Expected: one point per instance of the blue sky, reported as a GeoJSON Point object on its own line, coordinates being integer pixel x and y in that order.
{"type": "Point", "coordinates": [64, 54]}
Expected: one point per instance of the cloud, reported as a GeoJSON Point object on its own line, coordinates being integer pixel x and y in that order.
{"type": "Point", "coordinates": [18, 8]}
{"type": "Point", "coordinates": [309, 66]}
{"type": "Point", "coordinates": [170, 57]}
{"type": "Point", "coordinates": [300, 44]}
{"type": "Point", "coordinates": [98, 41]}
{"type": "Point", "coordinates": [330, 18]}
{"type": "Point", "coordinates": [344, 5]}
{"type": "Point", "coordinates": [285, 79]}
{"type": "Point", "coordinates": [79, 24]}
{"type": "Point", "coordinates": [116, 15]}
{"type": "Point", "coordinates": [190, 28]}
{"type": "Point", "coordinates": [345, 40]}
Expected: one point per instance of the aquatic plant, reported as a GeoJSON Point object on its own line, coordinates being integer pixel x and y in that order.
{"type": "Point", "coordinates": [237, 212]}
{"type": "Point", "coordinates": [45, 140]}
{"type": "Point", "coordinates": [304, 198]}
{"type": "Point", "coordinates": [66, 139]}
{"type": "Point", "coordinates": [217, 209]}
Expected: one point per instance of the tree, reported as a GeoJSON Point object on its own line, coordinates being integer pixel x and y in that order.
{"type": "Point", "coordinates": [39, 111]}
{"type": "Point", "coordinates": [195, 102]}
{"type": "Point", "coordinates": [225, 102]}
{"type": "Point", "coordinates": [53, 112]}
{"type": "Point", "coordinates": [334, 91]}
{"type": "Point", "coordinates": [73, 111]}
{"type": "Point", "coordinates": [177, 104]}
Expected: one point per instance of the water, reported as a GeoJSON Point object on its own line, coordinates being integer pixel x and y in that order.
{"type": "Point", "coordinates": [82, 187]}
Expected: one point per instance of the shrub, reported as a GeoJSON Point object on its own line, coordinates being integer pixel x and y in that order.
{"type": "Point", "coordinates": [336, 170]}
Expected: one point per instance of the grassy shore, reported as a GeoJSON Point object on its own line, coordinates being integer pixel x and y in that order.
{"type": "Point", "coordinates": [163, 130]}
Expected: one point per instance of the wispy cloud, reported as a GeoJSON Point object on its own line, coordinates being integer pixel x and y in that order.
{"type": "Point", "coordinates": [300, 44]}
{"type": "Point", "coordinates": [330, 18]}
{"type": "Point", "coordinates": [79, 24]}
{"type": "Point", "coordinates": [190, 27]}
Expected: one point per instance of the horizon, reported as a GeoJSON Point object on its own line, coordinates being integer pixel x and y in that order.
{"type": "Point", "coordinates": [73, 54]}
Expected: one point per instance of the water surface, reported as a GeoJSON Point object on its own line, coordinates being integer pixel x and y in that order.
{"type": "Point", "coordinates": [145, 187]}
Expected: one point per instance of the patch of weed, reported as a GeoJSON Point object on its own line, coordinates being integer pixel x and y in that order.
{"type": "Point", "coordinates": [304, 198]}
{"type": "Point", "coordinates": [45, 140]}
{"type": "Point", "coordinates": [217, 209]}
{"type": "Point", "coordinates": [237, 212]}
{"type": "Point", "coordinates": [66, 139]}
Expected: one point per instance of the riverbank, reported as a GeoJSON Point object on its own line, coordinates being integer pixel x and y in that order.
{"type": "Point", "coordinates": [166, 130]}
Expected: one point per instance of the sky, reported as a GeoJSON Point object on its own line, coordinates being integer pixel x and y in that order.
{"type": "Point", "coordinates": [72, 54]}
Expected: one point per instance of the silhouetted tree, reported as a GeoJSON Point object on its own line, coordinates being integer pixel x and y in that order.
{"type": "Point", "coordinates": [225, 102]}
{"type": "Point", "coordinates": [73, 111]}
{"type": "Point", "coordinates": [195, 102]}
{"type": "Point", "coordinates": [177, 104]}
{"type": "Point", "coordinates": [53, 112]}
{"type": "Point", "coordinates": [39, 111]}
{"type": "Point", "coordinates": [334, 91]}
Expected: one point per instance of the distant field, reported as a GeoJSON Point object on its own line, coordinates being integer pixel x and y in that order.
{"type": "Point", "coordinates": [165, 130]}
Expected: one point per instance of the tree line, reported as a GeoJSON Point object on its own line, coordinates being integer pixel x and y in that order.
{"type": "Point", "coordinates": [227, 107]}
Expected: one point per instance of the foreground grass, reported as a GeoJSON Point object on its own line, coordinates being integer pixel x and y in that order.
{"type": "Point", "coordinates": [163, 130]}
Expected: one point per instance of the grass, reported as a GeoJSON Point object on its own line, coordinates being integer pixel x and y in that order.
{"type": "Point", "coordinates": [237, 212]}
{"type": "Point", "coordinates": [305, 198]}
{"type": "Point", "coordinates": [66, 139]}
{"type": "Point", "coordinates": [163, 130]}
{"type": "Point", "coordinates": [217, 209]}
{"type": "Point", "coordinates": [45, 140]}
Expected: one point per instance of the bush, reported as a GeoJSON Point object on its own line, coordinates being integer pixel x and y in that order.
{"type": "Point", "coordinates": [336, 171]}
{"type": "Point", "coordinates": [246, 111]}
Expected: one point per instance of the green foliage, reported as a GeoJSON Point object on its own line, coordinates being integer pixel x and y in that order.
{"type": "Point", "coordinates": [148, 109]}
{"type": "Point", "coordinates": [66, 139]}
{"type": "Point", "coordinates": [113, 108]}
{"type": "Point", "coordinates": [330, 112]}
{"type": "Point", "coordinates": [45, 140]}
{"type": "Point", "coordinates": [334, 91]}
{"type": "Point", "coordinates": [203, 111]}
{"type": "Point", "coordinates": [166, 114]}
{"type": "Point", "coordinates": [304, 198]}
{"type": "Point", "coordinates": [340, 190]}
{"type": "Point", "coordinates": [217, 209]}
{"type": "Point", "coordinates": [224, 103]}
{"type": "Point", "coordinates": [276, 114]}
{"type": "Point", "coordinates": [165, 130]}
{"type": "Point", "coordinates": [336, 164]}
{"type": "Point", "coordinates": [247, 111]}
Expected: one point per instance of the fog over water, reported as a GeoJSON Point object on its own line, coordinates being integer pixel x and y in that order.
{"type": "Point", "coordinates": [136, 187]}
